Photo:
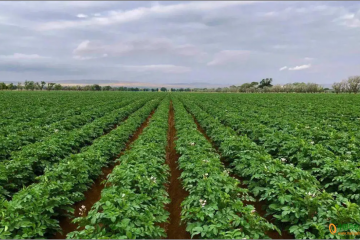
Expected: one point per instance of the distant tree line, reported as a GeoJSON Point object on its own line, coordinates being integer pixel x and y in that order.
{"type": "Point", "coordinates": [265, 85]}
{"type": "Point", "coordinates": [350, 85]}
{"type": "Point", "coordinates": [31, 86]}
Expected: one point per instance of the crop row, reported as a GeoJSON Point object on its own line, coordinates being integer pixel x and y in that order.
{"type": "Point", "coordinates": [296, 199]}
{"type": "Point", "coordinates": [214, 207]}
{"type": "Point", "coordinates": [31, 161]}
{"type": "Point", "coordinates": [337, 174]}
{"type": "Point", "coordinates": [15, 141]}
{"type": "Point", "coordinates": [22, 111]}
{"type": "Point", "coordinates": [325, 112]}
{"type": "Point", "coordinates": [33, 211]}
{"type": "Point", "coordinates": [256, 121]}
{"type": "Point", "coordinates": [132, 204]}
{"type": "Point", "coordinates": [19, 127]}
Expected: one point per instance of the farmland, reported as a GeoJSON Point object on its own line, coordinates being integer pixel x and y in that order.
{"type": "Point", "coordinates": [119, 165]}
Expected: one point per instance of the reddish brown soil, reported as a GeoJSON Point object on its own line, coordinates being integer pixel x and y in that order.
{"type": "Point", "coordinates": [174, 229]}
{"type": "Point", "coordinates": [260, 206]}
{"type": "Point", "coordinates": [93, 194]}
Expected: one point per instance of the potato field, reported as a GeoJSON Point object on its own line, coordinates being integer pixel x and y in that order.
{"type": "Point", "coordinates": [119, 165]}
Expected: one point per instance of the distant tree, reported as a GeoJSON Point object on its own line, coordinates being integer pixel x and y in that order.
{"type": "Point", "coordinates": [345, 86]}
{"type": "Point", "coordinates": [244, 87]}
{"type": "Point", "coordinates": [265, 83]}
{"type": "Point", "coordinates": [337, 87]}
{"type": "Point", "coordinates": [3, 86]}
{"type": "Point", "coordinates": [163, 89]}
{"type": "Point", "coordinates": [58, 87]}
{"type": "Point", "coordinates": [87, 88]}
{"type": "Point", "coordinates": [96, 87]}
{"type": "Point", "coordinates": [233, 88]}
{"type": "Point", "coordinates": [19, 86]}
{"type": "Point", "coordinates": [11, 86]}
{"type": "Point", "coordinates": [50, 86]}
{"type": "Point", "coordinates": [29, 85]}
{"type": "Point", "coordinates": [354, 84]}
{"type": "Point", "coordinates": [277, 88]}
{"type": "Point", "coordinates": [106, 88]}
{"type": "Point", "coordinates": [37, 86]}
{"type": "Point", "coordinates": [43, 85]}
{"type": "Point", "coordinates": [254, 84]}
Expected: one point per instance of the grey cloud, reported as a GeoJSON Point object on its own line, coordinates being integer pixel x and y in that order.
{"type": "Point", "coordinates": [206, 42]}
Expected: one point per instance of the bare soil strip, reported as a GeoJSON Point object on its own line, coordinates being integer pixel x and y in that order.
{"type": "Point", "coordinates": [259, 206]}
{"type": "Point", "coordinates": [93, 194]}
{"type": "Point", "coordinates": [174, 229]}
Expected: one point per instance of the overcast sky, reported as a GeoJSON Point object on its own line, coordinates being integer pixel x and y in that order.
{"type": "Point", "coordinates": [208, 43]}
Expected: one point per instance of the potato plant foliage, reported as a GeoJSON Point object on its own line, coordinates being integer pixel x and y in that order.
{"type": "Point", "coordinates": [250, 165]}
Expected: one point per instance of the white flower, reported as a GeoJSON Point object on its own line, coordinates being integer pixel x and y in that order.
{"type": "Point", "coordinates": [82, 210]}
{"type": "Point", "coordinates": [123, 195]}
{"type": "Point", "coordinates": [153, 179]}
{"type": "Point", "coordinates": [283, 159]}
{"type": "Point", "coordinates": [202, 202]}
{"type": "Point", "coordinates": [253, 211]}
{"type": "Point", "coordinates": [192, 144]}
{"type": "Point", "coordinates": [312, 142]}
{"type": "Point", "coordinates": [56, 130]}
{"type": "Point", "coordinates": [311, 194]}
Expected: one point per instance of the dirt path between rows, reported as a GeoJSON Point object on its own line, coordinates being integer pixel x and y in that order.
{"type": "Point", "coordinates": [93, 194]}
{"type": "Point", "coordinates": [259, 206]}
{"type": "Point", "coordinates": [174, 229]}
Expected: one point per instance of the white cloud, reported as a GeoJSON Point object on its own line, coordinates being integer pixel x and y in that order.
{"type": "Point", "coordinates": [227, 56]}
{"type": "Point", "coordinates": [283, 68]}
{"type": "Point", "coordinates": [349, 19]}
{"type": "Point", "coordinates": [308, 59]}
{"type": "Point", "coordinates": [97, 14]}
{"type": "Point", "coordinates": [301, 67]}
{"type": "Point", "coordinates": [120, 17]}
{"type": "Point", "coordinates": [280, 46]}
{"type": "Point", "coordinates": [19, 56]}
{"type": "Point", "coordinates": [80, 15]}
{"type": "Point", "coordinates": [158, 68]}
{"type": "Point", "coordinates": [92, 49]}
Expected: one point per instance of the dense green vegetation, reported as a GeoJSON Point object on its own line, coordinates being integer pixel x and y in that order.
{"type": "Point", "coordinates": [251, 165]}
